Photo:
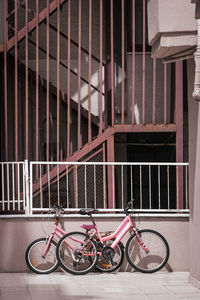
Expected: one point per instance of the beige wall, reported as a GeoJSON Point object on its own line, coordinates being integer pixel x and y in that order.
{"type": "Point", "coordinates": [17, 234]}
{"type": "Point", "coordinates": [194, 186]}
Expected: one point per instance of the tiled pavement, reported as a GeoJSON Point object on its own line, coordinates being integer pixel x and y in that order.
{"type": "Point", "coordinates": [121, 285]}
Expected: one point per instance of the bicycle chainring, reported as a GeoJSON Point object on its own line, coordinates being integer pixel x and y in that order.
{"type": "Point", "coordinates": [108, 252]}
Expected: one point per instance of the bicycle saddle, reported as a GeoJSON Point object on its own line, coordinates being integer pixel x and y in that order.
{"type": "Point", "coordinates": [87, 211]}
{"type": "Point", "coordinates": [87, 227]}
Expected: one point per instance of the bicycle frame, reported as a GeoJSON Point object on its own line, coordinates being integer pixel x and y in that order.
{"type": "Point", "coordinates": [56, 231]}
{"type": "Point", "coordinates": [119, 233]}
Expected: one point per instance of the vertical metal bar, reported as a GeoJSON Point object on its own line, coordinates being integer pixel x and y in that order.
{"type": "Point", "coordinates": [165, 93]}
{"type": "Point", "coordinates": [76, 186]}
{"type": "Point", "coordinates": [104, 179]}
{"type": "Point", "coordinates": [18, 176]}
{"type": "Point", "coordinates": [122, 177]}
{"type": "Point", "coordinates": [168, 200]}
{"type": "Point", "coordinates": [31, 189]}
{"type": "Point", "coordinates": [186, 188]}
{"type": "Point", "coordinates": [26, 73]}
{"type": "Point", "coordinates": [58, 184]}
{"type": "Point", "coordinates": [140, 187]}
{"type": "Point", "coordinates": [112, 61]}
{"type": "Point", "coordinates": [100, 67]}
{"type": "Point", "coordinates": [8, 187]}
{"type": "Point", "coordinates": [95, 188]}
{"type": "Point", "coordinates": [25, 199]}
{"type": "Point", "coordinates": [159, 203]}
{"type": "Point", "coordinates": [47, 88]}
{"type": "Point", "coordinates": [49, 187]}
{"type": "Point", "coordinates": [179, 127]}
{"type": "Point", "coordinates": [150, 198]}
{"type": "Point", "coordinates": [41, 194]}
{"type": "Point", "coordinates": [67, 181]}
{"type": "Point", "coordinates": [58, 80]}
{"type": "Point", "coordinates": [90, 72]}
{"type": "Point", "coordinates": [68, 77]}
{"type": "Point", "coordinates": [131, 182]}
{"type": "Point", "coordinates": [111, 180]}
{"type": "Point", "coordinates": [16, 85]}
{"type": "Point", "coordinates": [133, 61]}
{"type": "Point", "coordinates": [5, 79]}
{"type": "Point", "coordinates": [13, 182]}
{"type": "Point", "coordinates": [154, 92]}
{"type": "Point", "coordinates": [143, 64]}
{"type": "Point", "coordinates": [177, 188]}
{"type": "Point", "coordinates": [26, 179]}
{"type": "Point", "coordinates": [113, 184]}
{"type": "Point", "coordinates": [3, 193]}
{"type": "Point", "coordinates": [122, 11]}
{"type": "Point", "coordinates": [79, 75]}
{"type": "Point", "coordinates": [85, 187]}
{"type": "Point", "coordinates": [37, 85]}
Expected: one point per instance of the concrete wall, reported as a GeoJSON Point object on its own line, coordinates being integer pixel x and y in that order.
{"type": "Point", "coordinates": [194, 187]}
{"type": "Point", "coordinates": [171, 27]}
{"type": "Point", "coordinates": [16, 234]}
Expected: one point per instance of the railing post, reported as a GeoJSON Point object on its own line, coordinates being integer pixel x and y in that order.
{"type": "Point", "coordinates": [27, 182]}
{"type": "Point", "coordinates": [111, 172]}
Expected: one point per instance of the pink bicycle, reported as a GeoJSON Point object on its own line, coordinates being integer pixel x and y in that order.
{"type": "Point", "coordinates": [146, 250]}
{"type": "Point", "coordinates": [41, 257]}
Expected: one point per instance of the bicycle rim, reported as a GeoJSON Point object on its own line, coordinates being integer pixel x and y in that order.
{"type": "Point", "coordinates": [76, 254]}
{"type": "Point", "coordinates": [37, 263]}
{"type": "Point", "coordinates": [152, 261]}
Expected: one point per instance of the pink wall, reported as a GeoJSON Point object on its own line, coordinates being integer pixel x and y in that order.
{"type": "Point", "coordinates": [16, 234]}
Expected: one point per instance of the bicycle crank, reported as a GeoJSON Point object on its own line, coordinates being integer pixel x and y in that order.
{"type": "Point", "coordinates": [109, 253]}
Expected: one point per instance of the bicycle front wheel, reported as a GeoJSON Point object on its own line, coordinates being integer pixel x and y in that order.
{"type": "Point", "coordinates": [76, 253]}
{"type": "Point", "coordinates": [157, 256]}
{"type": "Point", "coordinates": [36, 262]}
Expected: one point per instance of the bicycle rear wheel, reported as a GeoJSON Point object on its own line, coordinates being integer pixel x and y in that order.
{"type": "Point", "coordinates": [105, 265]}
{"type": "Point", "coordinates": [34, 259]}
{"type": "Point", "coordinates": [76, 253]}
{"type": "Point", "coordinates": [152, 261]}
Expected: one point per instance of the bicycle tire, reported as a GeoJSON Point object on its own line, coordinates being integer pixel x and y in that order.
{"type": "Point", "coordinates": [150, 262]}
{"type": "Point", "coordinates": [36, 262]}
{"type": "Point", "coordinates": [81, 259]}
{"type": "Point", "coordinates": [104, 265]}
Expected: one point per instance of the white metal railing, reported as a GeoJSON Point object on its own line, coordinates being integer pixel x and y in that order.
{"type": "Point", "coordinates": [14, 187]}
{"type": "Point", "coordinates": [156, 187]}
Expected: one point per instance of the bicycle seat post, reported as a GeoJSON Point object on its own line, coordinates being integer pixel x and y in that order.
{"type": "Point", "coordinates": [93, 222]}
